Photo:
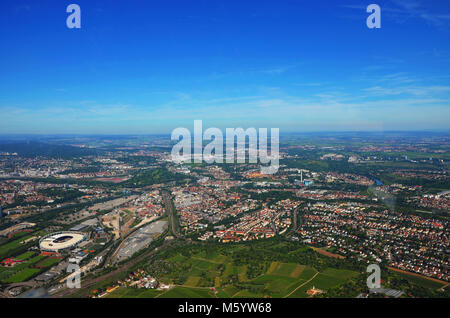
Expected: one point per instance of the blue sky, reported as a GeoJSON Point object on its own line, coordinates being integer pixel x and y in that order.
{"type": "Point", "coordinates": [138, 67]}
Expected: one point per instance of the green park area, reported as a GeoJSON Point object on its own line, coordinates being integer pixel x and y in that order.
{"type": "Point", "coordinates": [134, 293]}
{"type": "Point", "coordinates": [31, 264]}
{"type": "Point", "coordinates": [237, 271]}
{"type": "Point", "coordinates": [14, 246]}
{"type": "Point", "coordinates": [268, 268]}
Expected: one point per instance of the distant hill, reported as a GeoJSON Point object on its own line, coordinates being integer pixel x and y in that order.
{"type": "Point", "coordinates": [33, 149]}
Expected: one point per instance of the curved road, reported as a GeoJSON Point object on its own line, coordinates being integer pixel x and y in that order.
{"type": "Point", "coordinates": [286, 296]}
{"type": "Point", "coordinates": [5, 295]}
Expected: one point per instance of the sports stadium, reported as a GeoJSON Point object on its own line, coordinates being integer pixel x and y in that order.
{"type": "Point", "coordinates": [60, 241]}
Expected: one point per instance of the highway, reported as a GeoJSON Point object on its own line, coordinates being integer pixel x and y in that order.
{"type": "Point", "coordinates": [171, 213]}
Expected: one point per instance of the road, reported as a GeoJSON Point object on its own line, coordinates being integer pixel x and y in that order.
{"type": "Point", "coordinates": [169, 207]}
{"type": "Point", "coordinates": [168, 204]}
{"type": "Point", "coordinates": [124, 267]}
{"type": "Point", "coordinates": [301, 285]}
{"type": "Point", "coordinates": [295, 219]}
{"type": "Point", "coordinates": [5, 295]}
{"type": "Point", "coordinates": [31, 284]}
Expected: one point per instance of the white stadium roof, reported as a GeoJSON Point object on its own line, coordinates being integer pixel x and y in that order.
{"type": "Point", "coordinates": [60, 241]}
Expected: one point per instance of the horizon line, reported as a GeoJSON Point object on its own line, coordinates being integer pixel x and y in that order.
{"type": "Point", "coordinates": [281, 133]}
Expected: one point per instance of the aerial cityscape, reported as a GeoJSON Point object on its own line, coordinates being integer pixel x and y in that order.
{"type": "Point", "coordinates": [140, 225]}
{"type": "Point", "coordinates": [225, 150]}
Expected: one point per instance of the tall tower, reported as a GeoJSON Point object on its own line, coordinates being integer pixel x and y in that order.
{"type": "Point", "coordinates": [301, 176]}
{"type": "Point", "coordinates": [1, 212]}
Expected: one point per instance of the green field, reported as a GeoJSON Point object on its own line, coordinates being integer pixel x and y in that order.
{"type": "Point", "coordinates": [279, 281]}
{"type": "Point", "coordinates": [48, 262]}
{"type": "Point", "coordinates": [134, 293]}
{"type": "Point", "coordinates": [420, 281]}
{"type": "Point", "coordinates": [25, 255]}
{"type": "Point", "coordinates": [233, 280]}
{"type": "Point", "coordinates": [187, 292]}
{"type": "Point", "coordinates": [192, 281]}
{"type": "Point", "coordinates": [23, 271]}
{"type": "Point", "coordinates": [275, 268]}
{"type": "Point", "coordinates": [9, 249]}
{"type": "Point", "coordinates": [23, 275]}
{"type": "Point", "coordinates": [329, 278]}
